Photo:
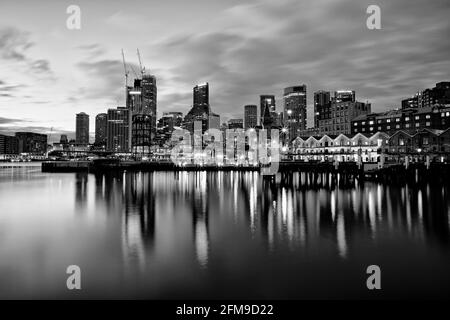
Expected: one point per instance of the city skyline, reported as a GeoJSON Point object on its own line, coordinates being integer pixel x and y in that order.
{"type": "Point", "coordinates": [215, 53]}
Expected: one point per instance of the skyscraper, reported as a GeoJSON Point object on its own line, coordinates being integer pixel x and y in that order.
{"type": "Point", "coordinates": [117, 130]}
{"type": "Point", "coordinates": [322, 100]}
{"type": "Point", "coordinates": [101, 121]}
{"type": "Point", "coordinates": [82, 128]}
{"type": "Point", "coordinates": [251, 116]}
{"type": "Point", "coordinates": [267, 109]}
{"type": "Point", "coordinates": [149, 97]}
{"type": "Point", "coordinates": [201, 95]}
{"type": "Point", "coordinates": [295, 109]}
{"type": "Point", "coordinates": [200, 109]}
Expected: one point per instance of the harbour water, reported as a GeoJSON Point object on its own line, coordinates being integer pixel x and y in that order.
{"type": "Point", "coordinates": [186, 235]}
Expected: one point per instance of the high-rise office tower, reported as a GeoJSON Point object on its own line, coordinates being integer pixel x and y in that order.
{"type": "Point", "coordinates": [149, 97]}
{"type": "Point", "coordinates": [251, 116]}
{"type": "Point", "coordinates": [200, 109]}
{"type": "Point", "coordinates": [201, 95]}
{"type": "Point", "coordinates": [117, 130]}
{"type": "Point", "coordinates": [267, 110]}
{"type": "Point", "coordinates": [322, 103]}
{"type": "Point", "coordinates": [134, 97]}
{"type": "Point", "coordinates": [101, 121]}
{"type": "Point", "coordinates": [295, 109]}
{"type": "Point", "coordinates": [82, 128]}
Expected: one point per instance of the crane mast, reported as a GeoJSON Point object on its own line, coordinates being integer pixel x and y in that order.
{"type": "Point", "coordinates": [140, 63]}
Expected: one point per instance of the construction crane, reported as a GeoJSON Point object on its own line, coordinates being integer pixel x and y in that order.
{"type": "Point", "coordinates": [126, 77]}
{"type": "Point", "coordinates": [140, 63]}
{"type": "Point", "coordinates": [134, 71]}
{"type": "Point", "coordinates": [125, 70]}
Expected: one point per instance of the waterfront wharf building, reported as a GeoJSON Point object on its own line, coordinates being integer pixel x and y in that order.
{"type": "Point", "coordinates": [367, 147]}
{"type": "Point", "coordinates": [342, 147]}
{"type": "Point", "coordinates": [425, 141]}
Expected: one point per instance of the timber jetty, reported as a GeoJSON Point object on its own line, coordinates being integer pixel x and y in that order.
{"type": "Point", "coordinates": [410, 172]}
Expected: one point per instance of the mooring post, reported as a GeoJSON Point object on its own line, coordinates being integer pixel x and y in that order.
{"type": "Point", "coordinates": [381, 162]}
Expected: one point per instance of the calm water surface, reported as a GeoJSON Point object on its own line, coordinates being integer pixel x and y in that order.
{"type": "Point", "coordinates": [218, 235]}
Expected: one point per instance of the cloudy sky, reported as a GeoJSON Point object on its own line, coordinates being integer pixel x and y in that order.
{"type": "Point", "coordinates": [242, 48]}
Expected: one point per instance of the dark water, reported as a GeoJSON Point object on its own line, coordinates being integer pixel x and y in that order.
{"type": "Point", "coordinates": [218, 235]}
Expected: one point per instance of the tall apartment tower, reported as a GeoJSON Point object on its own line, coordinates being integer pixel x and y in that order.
{"type": "Point", "coordinates": [251, 116]}
{"type": "Point", "coordinates": [82, 128]}
{"type": "Point", "coordinates": [295, 109]}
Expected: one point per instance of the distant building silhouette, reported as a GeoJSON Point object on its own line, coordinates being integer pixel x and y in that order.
{"type": "Point", "coordinates": [30, 142]}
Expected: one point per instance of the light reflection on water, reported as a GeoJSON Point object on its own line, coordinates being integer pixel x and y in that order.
{"type": "Point", "coordinates": [222, 234]}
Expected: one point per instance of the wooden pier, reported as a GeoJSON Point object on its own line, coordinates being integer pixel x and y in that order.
{"type": "Point", "coordinates": [315, 172]}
